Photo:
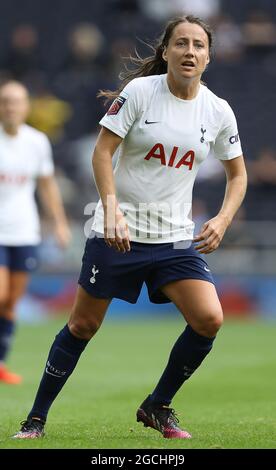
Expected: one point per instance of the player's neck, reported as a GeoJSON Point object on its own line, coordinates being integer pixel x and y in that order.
{"type": "Point", "coordinates": [186, 90]}
{"type": "Point", "coordinates": [10, 129]}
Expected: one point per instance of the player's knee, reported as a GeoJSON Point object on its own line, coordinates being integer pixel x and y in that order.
{"type": "Point", "coordinates": [7, 307]}
{"type": "Point", "coordinates": [11, 303]}
{"type": "Point", "coordinates": [211, 324]}
{"type": "Point", "coordinates": [84, 328]}
{"type": "Point", "coordinates": [214, 323]}
{"type": "Point", "coordinates": [3, 304]}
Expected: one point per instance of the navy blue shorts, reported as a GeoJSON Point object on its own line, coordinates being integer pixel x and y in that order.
{"type": "Point", "coordinates": [107, 273]}
{"type": "Point", "coordinates": [19, 258]}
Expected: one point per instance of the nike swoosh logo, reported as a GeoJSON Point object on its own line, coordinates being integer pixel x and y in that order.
{"type": "Point", "coordinates": [206, 269]}
{"type": "Point", "coordinates": [151, 122]}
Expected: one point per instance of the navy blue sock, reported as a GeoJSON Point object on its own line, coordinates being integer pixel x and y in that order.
{"type": "Point", "coordinates": [6, 335]}
{"type": "Point", "coordinates": [63, 357]}
{"type": "Point", "coordinates": [186, 356]}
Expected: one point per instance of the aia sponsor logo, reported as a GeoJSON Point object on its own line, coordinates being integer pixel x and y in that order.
{"type": "Point", "coordinates": [13, 179]}
{"type": "Point", "coordinates": [176, 159]}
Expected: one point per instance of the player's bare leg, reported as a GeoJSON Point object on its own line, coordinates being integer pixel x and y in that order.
{"type": "Point", "coordinates": [87, 314]}
{"type": "Point", "coordinates": [199, 304]}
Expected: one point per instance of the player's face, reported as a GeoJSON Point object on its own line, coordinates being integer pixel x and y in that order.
{"type": "Point", "coordinates": [14, 105]}
{"type": "Point", "coordinates": [187, 53]}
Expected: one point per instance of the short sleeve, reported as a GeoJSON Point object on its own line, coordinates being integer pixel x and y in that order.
{"type": "Point", "coordinates": [227, 144]}
{"type": "Point", "coordinates": [124, 110]}
{"type": "Point", "coordinates": [46, 165]}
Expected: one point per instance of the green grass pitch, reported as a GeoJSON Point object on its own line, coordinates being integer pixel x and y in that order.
{"type": "Point", "coordinates": [228, 403]}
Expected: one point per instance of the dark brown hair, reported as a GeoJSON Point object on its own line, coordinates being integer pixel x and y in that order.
{"type": "Point", "coordinates": [154, 64]}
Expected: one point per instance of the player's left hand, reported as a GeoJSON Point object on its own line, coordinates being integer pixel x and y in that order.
{"type": "Point", "coordinates": [63, 234]}
{"type": "Point", "coordinates": [211, 234]}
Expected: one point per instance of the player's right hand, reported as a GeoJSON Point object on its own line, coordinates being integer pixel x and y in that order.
{"type": "Point", "coordinates": [116, 233]}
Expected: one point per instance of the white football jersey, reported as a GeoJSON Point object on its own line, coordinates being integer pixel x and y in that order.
{"type": "Point", "coordinates": [165, 141]}
{"type": "Point", "coordinates": [23, 158]}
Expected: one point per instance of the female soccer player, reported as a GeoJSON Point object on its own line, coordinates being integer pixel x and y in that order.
{"type": "Point", "coordinates": [166, 121]}
{"type": "Point", "coordinates": [25, 157]}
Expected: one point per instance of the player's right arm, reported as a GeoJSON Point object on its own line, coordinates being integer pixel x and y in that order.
{"type": "Point", "coordinates": [115, 227]}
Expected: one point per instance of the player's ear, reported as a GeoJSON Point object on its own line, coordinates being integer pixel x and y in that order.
{"type": "Point", "coordinates": [208, 59]}
{"type": "Point", "coordinates": [164, 54]}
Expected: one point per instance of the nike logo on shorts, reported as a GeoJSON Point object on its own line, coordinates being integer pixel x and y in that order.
{"type": "Point", "coordinates": [151, 122]}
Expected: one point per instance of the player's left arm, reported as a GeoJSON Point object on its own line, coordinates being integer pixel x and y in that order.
{"type": "Point", "coordinates": [213, 230]}
{"type": "Point", "coordinates": [51, 199]}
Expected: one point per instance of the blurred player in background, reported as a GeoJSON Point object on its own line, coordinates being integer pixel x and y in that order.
{"type": "Point", "coordinates": [167, 121]}
{"type": "Point", "coordinates": [25, 158]}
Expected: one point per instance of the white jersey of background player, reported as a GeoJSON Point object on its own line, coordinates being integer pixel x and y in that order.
{"type": "Point", "coordinates": [24, 158]}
